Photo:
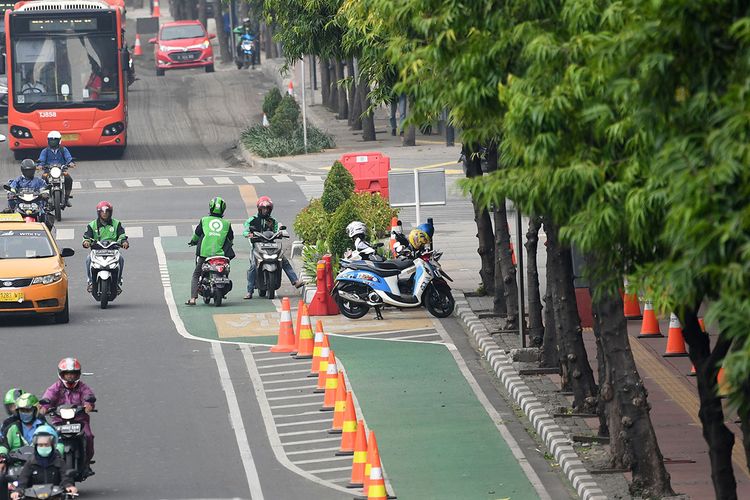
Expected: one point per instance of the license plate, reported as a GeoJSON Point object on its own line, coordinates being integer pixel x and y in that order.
{"type": "Point", "coordinates": [269, 245]}
{"type": "Point", "coordinates": [69, 428]}
{"type": "Point", "coordinates": [221, 280]}
{"type": "Point", "coordinates": [70, 137]}
{"type": "Point", "coordinates": [11, 296]}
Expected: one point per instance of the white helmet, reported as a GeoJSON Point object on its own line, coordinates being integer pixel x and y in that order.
{"type": "Point", "coordinates": [54, 135]}
{"type": "Point", "coordinates": [54, 138]}
{"type": "Point", "coordinates": [356, 228]}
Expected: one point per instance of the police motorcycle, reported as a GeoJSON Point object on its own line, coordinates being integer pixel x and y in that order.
{"type": "Point", "coordinates": [55, 175]}
{"type": "Point", "coordinates": [268, 254]}
{"type": "Point", "coordinates": [31, 204]}
{"type": "Point", "coordinates": [105, 271]}
{"type": "Point", "coordinates": [414, 279]}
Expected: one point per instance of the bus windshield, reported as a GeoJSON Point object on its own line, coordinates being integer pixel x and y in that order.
{"type": "Point", "coordinates": [65, 70]}
{"type": "Point", "coordinates": [182, 31]}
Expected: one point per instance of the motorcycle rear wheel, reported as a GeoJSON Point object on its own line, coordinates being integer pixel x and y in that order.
{"type": "Point", "coordinates": [218, 297]}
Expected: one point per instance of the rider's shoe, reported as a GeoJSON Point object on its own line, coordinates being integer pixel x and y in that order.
{"type": "Point", "coordinates": [67, 203]}
{"type": "Point", "coordinates": [89, 287]}
{"type": "Point", "coordinates": [87, 472]}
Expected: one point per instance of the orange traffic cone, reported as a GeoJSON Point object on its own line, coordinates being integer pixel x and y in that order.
{"type": "Point", "coordinates": [339, 406]}
{"type": "Point", "coordinates": [394, 229]}
{"type": "Point", "coordinates": [332, 382]}
{"type": "Point", "coordinates": [376, 485]}
{"type": "Point", "coordinates": [323, 367]}
{"type": "Point", "coordinates": [156, 12]}
{"type": "Point", "coordinates": [305, 340]}
{"type": "Point", "coordinates": [290, 89]}
{"type": "Point", "coordinates": [359, 461]}
{"type": "Point", "coordinates": [675, 340]}
{"type": "Point", "coordinates": [723, 387]}
{"type": "Point", "coordinates": [630, 306]}
{"type": "Point", "coordinates": [265, 121]}
{"type": "Point", "coordinates": [286, 333]}
{"type": "Point", "coordinates": [137, 50]}
{"type": "Point", "coordinates": [298, 325]}
{"type": "Point", "coordinates": [650, 325]}
{"type": "Point", "coordinates": [349, 428]}
{"type": "Point", "coordinates": [317, 348]}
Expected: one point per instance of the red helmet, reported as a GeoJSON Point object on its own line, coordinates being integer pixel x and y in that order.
{"type": "Point", "coordinates": [265, 202]}
{"type": "Point", "coordinates": [69, 365]}
{"type": "Point", "coordinates": [104, 206]}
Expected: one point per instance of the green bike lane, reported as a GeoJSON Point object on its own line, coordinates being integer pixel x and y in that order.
{"type": "Point", "coordinates": [435, 437]}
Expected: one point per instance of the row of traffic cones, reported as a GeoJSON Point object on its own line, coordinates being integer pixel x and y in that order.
{"type": "Point", "coordinates": [138, 48]}
{"type": "Point", "coordinates": [367, 472]}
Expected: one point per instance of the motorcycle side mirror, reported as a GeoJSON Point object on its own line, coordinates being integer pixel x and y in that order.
{"type": "Point", "coordinates": [281, 228]}
{"type": "Point", "coordinates": [67, 252]}
{"type": "Point", "coordinates": [6, 187]}
{"type": "Point", "coordinates": [3, 138]}
{"type": "Point", "coordinates": [44, 401]}
{"type": "Point", "coordinates": [90, 399]}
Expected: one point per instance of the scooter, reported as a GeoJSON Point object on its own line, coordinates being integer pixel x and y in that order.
{"type": "Point", "coordinates": [55, 177]}
{"type": "Point", "coordinates": [401, 283]}
{"type": "Point", "coordinates": [246, 57]}
{"type": "Point", "coordinates": [48, 491]}
{"type": "Point", "coordinates": [14, 463]}
{"type": "Point", "coordinates": [67, 422]}
{"type": "Point", "coordinates": [31, 204]}
{"type": "Point", "coordinates": [214, 282]}
{"type": "Point", "coordinates": [268, 254]}
{"type": "Point", "coordinates": [105, 271]}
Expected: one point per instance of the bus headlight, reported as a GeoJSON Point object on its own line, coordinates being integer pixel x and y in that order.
{"type": "Point", "coordinates": [20, 132]}
{"type": "Point", "coordinates": [113, 128]}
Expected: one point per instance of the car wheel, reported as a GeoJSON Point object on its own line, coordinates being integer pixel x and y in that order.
{"type": "Point", "coordinates": [159, 72]}
{"type": "Point", "coordinates": [63, 316]}
{"type": "Point", "coordinates": [210, 68]}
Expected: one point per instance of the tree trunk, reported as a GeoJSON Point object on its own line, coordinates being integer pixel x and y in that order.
{"type": "Point", "coordinates": [343, 106]}
{"type": "Point", "coordinates": [486, 249]}
{"type": "Point", "coordinates": [576, 369]}
{"type": "Point", "coordinates": [244, 11]}
{"type": "Point", "coordinates": [325, 82]}
{"type": "Point", "coordinates": [192, 9]}
{"type": "Point", "coordinates": [333, 103]}
{"type": "Point", "coordinates": [268, 42]}
{"type": "Point", "coordinates": [226, 54]}
{"type": "Point", "coordinates": [719, 438]}
{"type": "Point", "coordinates": [202, 13]}
{"type": "Point", "coordinates": [499, 302]}
{"type": "Point", "coordinates": [550, 356]}
{"type": "Point", "coordinates": [602, 409]}
{"type": "Point", "coordinates": [354, 112]}
{"type": "Point", "coordinates": [650, 477]}
{"type": "Point", "coordinates": [368, 118]}
{"type": "Point", "coordinates": [410, 136]}
{"type": "Point", "coordinates": [536, 327]}
{"type": "Point", "coordinates": [504, 260]}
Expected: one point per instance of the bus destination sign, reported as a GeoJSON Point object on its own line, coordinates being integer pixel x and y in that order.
{"type": "Point", "coordinates": [54, 25]}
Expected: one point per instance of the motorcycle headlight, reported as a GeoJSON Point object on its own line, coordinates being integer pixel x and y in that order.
{"type": "Point", "coordinates": [67, 413]}
{"type": "Point", "coordinates": [47, 279]}
{"type": "Point", "coordinates": [96, 265]}
{"type": "Point", "coordinates": [55, 171]}
{"type": "Point", "coordinates": [273, 256]}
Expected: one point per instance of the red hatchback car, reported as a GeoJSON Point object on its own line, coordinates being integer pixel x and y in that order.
{"type": "Point", "coordinates": [183, 44]}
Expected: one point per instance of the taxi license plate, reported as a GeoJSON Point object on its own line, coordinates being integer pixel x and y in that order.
{"type": "Point", "coordinates": [70, 137]}
{"type": "Point", "coordinates": [11, 296]}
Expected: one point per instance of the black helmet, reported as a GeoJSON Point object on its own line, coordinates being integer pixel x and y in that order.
{"type": "Point", "coordinates": [28, 168]}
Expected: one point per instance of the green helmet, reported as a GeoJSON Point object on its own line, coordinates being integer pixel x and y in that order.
{"type": "Point", "coordinates": [217, 206]}
{"type": "Point", "coordinates": [27, 400]}
{"type": "Point", "coordinates": [12, 395]}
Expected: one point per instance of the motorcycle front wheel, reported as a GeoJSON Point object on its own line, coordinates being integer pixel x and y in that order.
{"type": "Point", "coordinates": [104, 293]}
{"type": "Point", "coordinates": [439, 301]}
{"type": "Point", "coordinates": [351, 310]}
{"type": "Point", "coordinates": [57, 203]}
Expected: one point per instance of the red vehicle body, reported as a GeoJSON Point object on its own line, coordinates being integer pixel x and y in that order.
{"type": "Point", "coordinates": [183, 44]}
{"type": "Point", "coordinates": [66, 65]}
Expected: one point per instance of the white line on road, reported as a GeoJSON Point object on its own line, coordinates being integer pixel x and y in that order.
{"type": "Point", "coordinates": [315, 412]}
{"type": "Point", "coordinates": [102, 184]}
{"type": "Point", "coordinates": [305, 422]}
{"type": "Point", "coordinates": [192, 181]}
{"type": "Point", "coordinates": [284, 372]}
{"type": "Point", "coordinates": [419, 336]}
{"type": "Point", "coordinates": [162, 182]}
{"type": "Point", "coordinates": [333, 469]}
{"type": "Point", "coordinates": [65, 234]}
{"type": "Point", "coordinates": [76, 185]}
{"type": "Point", "coordinates": [223, 180]}
{"type": "Point", "coordinates": [313, 178]}
{"type": "Point", "coordinates": [285, 380]}
{"type": "Point", "coordinates": [321, 440]}
{"type": "Point", "coordinates": [278, 407]}
{"type": "Point", "coordinates": [253, 179]}
{"type": "Point", "coordinates": [317, 450]}
{"type": "Point", "coordinates": [290, 363]}
{"type": "Point", "coordinates": [326, 459]}
{"type": "Point", "coordinates": [282, 178]}
{"type": "Point", "coordinates": [300, 433]}
{"type": "Point", "coordinates": [165, 231]}
{"type": "Point", "coordinates": [296, 396]}
{"type": "Point", "coordinates": [295, 388]}
{"type": "Point", "coordinates": [131, 183]}
{"type": "Point", "coordinates": [134, 232]}
{"type": "Point", "coordinates": [235, 416]}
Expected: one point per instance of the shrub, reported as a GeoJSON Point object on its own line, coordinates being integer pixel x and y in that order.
{"type": "Point", "coordinates": [375, 212]}
{"type": "Point", "coordinates": [338, 241]}
{"type": "Point", "coordinates": [271, 102]}
{"type": "Point", "coordinates": [286, 118]}
{"type": "Point", "coordinates": [311, 254]}
{"type": "Point", "coordinates": [263, 142]}
{"type": "Point", "coordinates": [338, 187]}
{"type": "Point", "coordinates": [311, 223]}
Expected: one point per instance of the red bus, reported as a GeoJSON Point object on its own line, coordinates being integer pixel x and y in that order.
{"type": "Point", "coordinates": [66, 64]}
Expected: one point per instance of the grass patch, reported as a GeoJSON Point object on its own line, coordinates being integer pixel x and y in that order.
{"type": "Point", "coordinates": [263, 142]}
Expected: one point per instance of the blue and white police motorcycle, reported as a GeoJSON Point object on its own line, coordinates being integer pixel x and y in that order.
{"type": "Point", "coordinates": [403, 283]}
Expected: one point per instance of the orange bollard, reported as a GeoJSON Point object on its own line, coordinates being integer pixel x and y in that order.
{"type": "Point", "coordinates": [359, 460]}
{"type": "Point", "coordinates": [305, 340]}
{"type": "Point", "coordinates": [323, 367]}
{"type": "Point", "coordinates": [703, 325]}
{"type": "Point", "coordinates": [339, 406]}
{"type": "Point", "coordinates": [290, 89]}
{"type": "Point", "coordinates": [286, 333]}
{"type": "Point", "coordinates": [137, 50]}
{"type": "Point", "coordinates": [376, 485]}
{"type": "Point", "coordinates": [317, 349]}
{"type": "Point", "coordinates": [332, 306]}
{"type": "Point", "coordinates": [349, 428]}
{"type": "Point", "coordinates": [319, 304]}
{"type": "Point", "coordinates": [650, 325]}
{"type": "Point", "coordinates": [332, 382]}
{"type": "Point", "coordinates": [675, 340]}
{"type": "Point", "coordinates": [157, 11]}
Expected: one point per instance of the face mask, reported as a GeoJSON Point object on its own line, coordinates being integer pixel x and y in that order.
{"type": "Point", "coordinates": [44, 451]}
{"type": "Point", "coordinates": [26, 417]}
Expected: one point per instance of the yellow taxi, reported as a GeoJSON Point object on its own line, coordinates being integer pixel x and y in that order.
{"type": "Point", "coordinates": [32, 270]}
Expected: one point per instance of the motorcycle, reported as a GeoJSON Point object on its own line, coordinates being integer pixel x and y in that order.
{"type": "Point", "coordinates": [48, 491]}
{"type": "Point", "coordinates": [214, 282]}
{"type": "Point", "coordinates": [55, 177]}
{"type": "Point", "coordinates": [402, 283]}
{"type": "Point", "coordinates": [31, 204]}
{"type": "Point", "coordinates": [66, 419]}
{"type": "Point", "coordinates": [246, 57]}
{"type": "Point", "coordinates": [369, 254]}
{"type": "Point", "coordinates": [15, 462]}
{"type": "Point", "coordinates": [268, 254]}
{"type": "Point", "coordinates": [105, 271]}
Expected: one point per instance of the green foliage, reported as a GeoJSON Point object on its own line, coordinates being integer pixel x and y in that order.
{"type": "Point", "coordinates": [285, 120]}
{"type": "Point", "coordinates": [271, 101]}
{"type": "Point", "coordinates": [263, 142]}
{"type": "Point", "coordinates": [375, 212]}
{"type": "Point", "coordinates": [311, 223]}
{"type": "Point", "coordinates": [338, 240]}
{"type": "Point", "coordinates": [311, 254]}
{"type": "Point", "coordinates": [338, 187]}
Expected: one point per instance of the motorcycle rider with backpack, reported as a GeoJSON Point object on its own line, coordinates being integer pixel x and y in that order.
{"type": "Point", "coordinates": [56, 154]}
{"type": "Point", "coordinates": [259, 223]}
{"type": "Point", "coordinates": [104, 227]}
{"type": "Point", "coordinates": [212, 236]}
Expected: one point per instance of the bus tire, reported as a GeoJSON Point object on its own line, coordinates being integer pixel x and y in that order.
{"type": "Point", "coordinates": [20, 154]}
{"type": "Point", "coordinates": [117, 151]}
{"type": "Point", "coordinates": [210, 68]}
{"type": "Point", "coordinates": [159, 72]}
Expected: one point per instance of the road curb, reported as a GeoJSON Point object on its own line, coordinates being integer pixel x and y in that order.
{"type": "Point", "coordinates": [264, 163]}
{"type": "Point", "coordinates": [555, 440]}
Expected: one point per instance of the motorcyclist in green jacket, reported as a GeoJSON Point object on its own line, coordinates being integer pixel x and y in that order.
{"type": "Point", "coordinates": [104, 227]}
{"type": "Point", "coordinates": [21, 432]}
{"type": "Point", "coordinates": [212, 236]}
{"type": "Point", "coordinates": [9, 401]}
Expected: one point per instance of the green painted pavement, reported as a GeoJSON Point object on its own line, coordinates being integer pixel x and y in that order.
{"type": "Point", "coordinates": [199, 319]}
{"type": "Point", "coordinates": [436, 440]}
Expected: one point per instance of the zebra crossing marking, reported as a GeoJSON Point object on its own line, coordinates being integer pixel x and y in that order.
{"type": "Point", "coordinates": [282, 178]}
{"type": "Point", "coordinates": [133, 183]}
{"type": "Point", "coordinates": [166, 231]}
{"type": "Point", "coordinates": [76, 185]}
{"type": "Point", "coordinates": [134, 232]}
{"type": "Point", "coordinates": [162, 182]}
{"type": "Point", "coordinates": [65, 234]}
{"type": "Point", "coordinates": [223, 180]}
{"type": "Point", "coordinates": [192, 181]}
{"type": "Point", "coordinates": [102, 184]}
{"type": "Point", "coordinates": [253, 179]}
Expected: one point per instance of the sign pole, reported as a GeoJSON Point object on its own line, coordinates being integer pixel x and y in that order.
{"type": "Point", "coordinates": [304, 107]}
{"type": "Point", "coordinates": [416, 196]}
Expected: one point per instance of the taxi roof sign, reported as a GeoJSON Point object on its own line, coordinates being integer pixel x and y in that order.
{"type": "Point", "coordinates": [14, 217]}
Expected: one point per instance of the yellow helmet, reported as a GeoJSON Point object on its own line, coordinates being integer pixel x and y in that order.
{"type": "Point", "coordinates": [418, 239]}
